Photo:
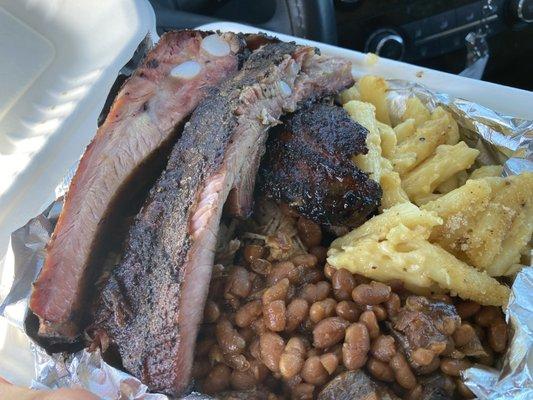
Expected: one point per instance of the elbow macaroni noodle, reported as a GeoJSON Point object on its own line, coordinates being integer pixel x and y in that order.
{"type": "Point", "coordinates": [441, 228]}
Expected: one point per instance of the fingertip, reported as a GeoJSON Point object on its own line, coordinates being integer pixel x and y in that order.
{"type": "Point", "coordinates": [70, 394]}
{"type": "Point", "coordinates": [2, 380]}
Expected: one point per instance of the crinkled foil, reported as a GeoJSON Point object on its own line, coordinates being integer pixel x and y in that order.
{"type": "Point", "coordinates": [501, 139]}
{"type": "Point", "coordinates": [87, 370]}
{"type": "Point", "coordinates": [513, 381]}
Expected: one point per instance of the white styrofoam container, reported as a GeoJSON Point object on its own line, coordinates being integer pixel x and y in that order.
{"type": "Point", "coordinates": [57, 151]}
{"type": "Point", "coordinates": [58, 61]}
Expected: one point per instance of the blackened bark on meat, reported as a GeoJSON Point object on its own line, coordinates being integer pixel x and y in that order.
{"type": "Point", "coordinates": [307, 165]}
{"type": "Point", "coordinates": [153, 303]}
{"type": "Point", "coordinates": [256, 40]}
{"type": "Point", "coordinates": [125, 157]}
{"type": "Point", "coordinates": [329, 130]}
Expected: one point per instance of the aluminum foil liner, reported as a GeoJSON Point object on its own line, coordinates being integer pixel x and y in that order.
{"type": "Point", "coordinates": [514, 380]}
{"type": "Point", "coordinates": [87, 370]}
{"type": "Point", "coordinates": [501, 139]}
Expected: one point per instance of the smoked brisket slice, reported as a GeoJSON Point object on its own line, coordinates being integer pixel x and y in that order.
{"type": "Point", "coordinates": [141, 124]}
{"type": "Point", "coordinates": [308, 166]}
{"type": "Point", "coordinates": [153, 303]}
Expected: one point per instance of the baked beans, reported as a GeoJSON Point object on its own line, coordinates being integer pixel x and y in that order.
{"type": "Point", "coordinates": [356, 346]}
{"type": "Point", "coordinates": [289, 323]}
{"type": "Point", "coordinates": [329, 332]}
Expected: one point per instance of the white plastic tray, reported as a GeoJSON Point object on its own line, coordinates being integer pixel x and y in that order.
{"type": "Point", "coordinates": [82, 47]}
{"type": "Point", "coordinates": [58, 61]}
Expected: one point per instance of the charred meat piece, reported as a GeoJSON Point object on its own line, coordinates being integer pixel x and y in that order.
{"type": "Point", "coordinates": [437, 387]}
{"type": "Point", "coordinates": [355, 385]}
{"type": "Point", "coordinates": [307, 165]}
{"type": "Point", "coordinates": [424, 324]}
{"type": "Point", "coordinates": [153, 303]}
{"type": "Point", "coordinates": [142, 122]}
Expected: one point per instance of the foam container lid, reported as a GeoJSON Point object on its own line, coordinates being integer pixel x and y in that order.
{"type": "Point", "coordinates": [59, 61]}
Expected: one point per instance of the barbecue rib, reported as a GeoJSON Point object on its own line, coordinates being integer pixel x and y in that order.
{"type": "Point", "coordinates": [307, 165]}
{"type": "Point", "coordinates": [143, 120]}
{"type": "Point", "coordinates": [152, 305]}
